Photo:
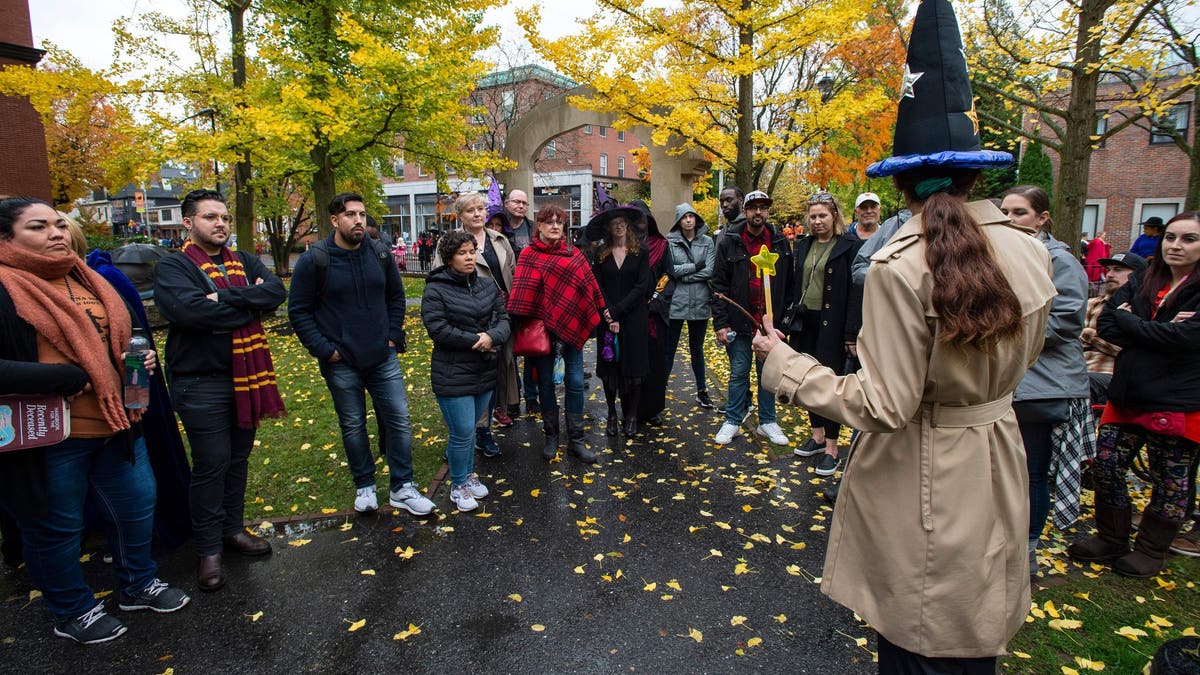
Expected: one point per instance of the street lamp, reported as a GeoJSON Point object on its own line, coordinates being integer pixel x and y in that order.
{"type": "Point", "coordinates": [825, 86]}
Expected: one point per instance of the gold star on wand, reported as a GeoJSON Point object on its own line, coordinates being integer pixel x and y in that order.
{"type": "Point", "coordinates": [764, 264]}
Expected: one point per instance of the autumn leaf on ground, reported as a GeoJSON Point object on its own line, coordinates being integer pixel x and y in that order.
{"type": "Point", "coordinates": [515, 597]}
{"type": "Point", "coordinates": [405, 553]}
{"type": "Point", "coordinates": [781, 618]}
{"type": "Point", "coordinates": [369, 573]}
{"type": "Point", "coordinates": [1130, 632]}
{"type": "Point", "coordinates": [355, 625]}
{"type": "Point", "coordinates": [537, 628]}
{"type": "Point", "coordinates": [754, 642]}
{"type": "Point", "coordinates": [407, 633]}
{"type": "Point", "coordinates": [674, 585]}
{"type": "Point", "coordinates": [299, 542]}
{"type": "Point", "coordinates": [255, 616]}
{"type": "Point", "coordinates": [1088, 664]}
{"type": "Point", "coordinates": [1065, 624]}
{"type": "Point", "coordinates": [693, 634]}
{"type": "Point", "coordinates": [738, 621]}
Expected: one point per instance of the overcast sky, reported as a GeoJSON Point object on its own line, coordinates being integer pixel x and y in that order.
{"type": "Point", "coordinates": [82, 26]}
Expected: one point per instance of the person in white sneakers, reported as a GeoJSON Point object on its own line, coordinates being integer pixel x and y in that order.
{"type": "Point", "coordinates": [346, 305]}
{"type": "Point", "coordinates": [735, 277]}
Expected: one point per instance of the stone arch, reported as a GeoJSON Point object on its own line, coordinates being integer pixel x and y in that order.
{"type": "Point", "coordinates": [672, 176]}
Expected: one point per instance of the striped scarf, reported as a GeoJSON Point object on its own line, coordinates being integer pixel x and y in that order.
{"type": "Point", "coordinates": [254, 388]}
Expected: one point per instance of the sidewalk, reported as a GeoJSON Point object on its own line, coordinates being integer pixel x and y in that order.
{"type": "Point", "coordinates": [567, 568]}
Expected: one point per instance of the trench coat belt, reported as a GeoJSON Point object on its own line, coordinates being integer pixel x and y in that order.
{"type": "Point", "coordinates": [933, 415]}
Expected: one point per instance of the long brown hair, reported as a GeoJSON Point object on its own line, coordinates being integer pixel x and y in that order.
{"type": "Point", "coordinates": [631, 240]}
{"type": "Point", "coordinates": [1158, 274]}
{"type": "Point", "coordinates": [972, 297]}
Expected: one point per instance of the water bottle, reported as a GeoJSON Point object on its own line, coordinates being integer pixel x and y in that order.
{"type": "Point", "coordinates": [730, 336]}
{"type": "Point", "coordinates": [137, 379]}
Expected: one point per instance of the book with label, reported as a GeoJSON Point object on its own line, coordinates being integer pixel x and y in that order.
{"type": "Point", "coordinates": [33, 421]}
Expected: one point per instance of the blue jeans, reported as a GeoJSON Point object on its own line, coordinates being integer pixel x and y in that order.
{"type": "Point", "coordinates": [385, 382]}
{"type": "Point", "coordinates": [220, 458]}
{"type": "Point", "coordinates": [572, 382]}
{"type": "Point", "coordinates": [461, 414]}
{"type": "Point", "coordinates": [123, 493]}
{"type": "Point", "coordinates": [740, 358]}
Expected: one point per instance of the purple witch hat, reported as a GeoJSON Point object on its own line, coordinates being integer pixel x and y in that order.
{"type": "Point", "coordinates": [495, 206]}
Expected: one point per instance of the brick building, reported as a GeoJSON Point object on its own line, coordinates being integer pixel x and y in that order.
{"type": "Point", "coordinates": [1135, 174]}
{"type": "Point", "coordinates": [563, 173]}
{"type": "Point", "coordinates": [23, 166]}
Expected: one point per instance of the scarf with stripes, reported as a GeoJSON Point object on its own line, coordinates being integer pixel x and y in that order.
{"type": "Point", "coordinates": [254, 388]}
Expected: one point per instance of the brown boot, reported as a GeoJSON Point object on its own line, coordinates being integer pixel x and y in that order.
{"type": "Point", "coordinates": [1112, 536]}
{"type": "Point", "coordinates": [1149, 555]}
{"type": "Point", "coordinates": [209, 575]}
{"type": "Point", "coordinates": [247, 543]}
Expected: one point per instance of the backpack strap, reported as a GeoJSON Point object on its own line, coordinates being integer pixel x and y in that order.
{"type": "Point", "coordinates": [320, 255]}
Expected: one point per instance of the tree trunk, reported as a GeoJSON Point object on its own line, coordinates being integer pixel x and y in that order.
{"type": "Point", "coordinates": [323, 186]}
{"type": "Point", "coordinates": [1070, 194]}
{"type": "Point", "coordinates": [745, 112]}
{"type": "Point", "coordinates": [244, 198]}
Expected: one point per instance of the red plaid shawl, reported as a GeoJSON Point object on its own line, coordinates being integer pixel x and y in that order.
{"type": "Point", "coordinates": [553, 282]}
{"type": "Point", "coordinates": [254, 389]}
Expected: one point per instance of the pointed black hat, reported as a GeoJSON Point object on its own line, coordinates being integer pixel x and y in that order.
{"type": "Point", "coordinates": [936, 122]}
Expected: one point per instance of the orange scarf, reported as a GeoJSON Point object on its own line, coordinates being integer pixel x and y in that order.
{"type": "Point", "coordinates": [26, 276]}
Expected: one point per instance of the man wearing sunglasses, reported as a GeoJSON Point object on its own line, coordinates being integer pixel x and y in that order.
{"type": "Point", "coordinates": [736, 277]}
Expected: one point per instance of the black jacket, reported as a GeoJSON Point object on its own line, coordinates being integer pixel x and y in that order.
{"type": "Point", "coordinates": [361, 310]}
{"type": "Point", "coordinates": [1158, 369]}
{"type": "Point", "coordinates": [455, 309]}
{"type": "Point", "coordinates": [841, 304]}
{"type": "Point", "coordinates": [200, 336]}
{"type": "Point", "coordinates": [625, 290]}
{"type": "Point", "coordinates": [732, 277]}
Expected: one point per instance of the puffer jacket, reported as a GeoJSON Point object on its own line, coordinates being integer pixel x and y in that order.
{"type": "Point", "coordinates": [1060, 370]}
{"type": "Point", "coordinates": [692, 265]}
{"type": "Point", "coordinates": [455, 309]}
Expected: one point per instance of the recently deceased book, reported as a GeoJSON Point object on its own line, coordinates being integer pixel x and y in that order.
{"type": "Point", "coordinates": [33, 421]}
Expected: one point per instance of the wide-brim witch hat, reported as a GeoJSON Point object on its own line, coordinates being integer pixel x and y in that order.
{"type": "Point", "coordinates": [936, 121]}
{"type": "Point", "coordinates": [607, 208]}
{"type": "Point", "coordinates": [495, 206]}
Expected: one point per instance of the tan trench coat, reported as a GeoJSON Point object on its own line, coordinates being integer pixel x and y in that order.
{"type": "Point", "coordinates": [928, 540]}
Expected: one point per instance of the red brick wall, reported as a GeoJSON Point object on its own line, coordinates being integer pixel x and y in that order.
{"type": "Point", "coordinates": [1127, 169]}
{"type": "Point", "coordinates": [23, 164]}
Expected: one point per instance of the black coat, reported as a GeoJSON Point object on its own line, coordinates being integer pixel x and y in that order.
{"type": "Point", "coordinates": [1158, 369]}
{"type": "Point", "coordinates": [625, 291]}
{"type": "Point", "coordinates": [841, 304]}
{"type": "Point", "coordinates": [732, 277]}
{"type": "Point", "coordinates": [455, 309]}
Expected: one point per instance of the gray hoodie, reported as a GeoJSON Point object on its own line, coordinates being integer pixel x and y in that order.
{"type": "Point", "coordinates": [692, 266]}
{"type": "Point", "coordinates": [1060, 370]}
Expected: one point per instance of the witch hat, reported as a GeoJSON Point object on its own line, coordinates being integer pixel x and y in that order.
{"type": "Point", "coordinates": [605, 209]}
{"type": "Point", "coordinates": [936, 121]}
{"type": "Point", "coordinates": [495, 206]}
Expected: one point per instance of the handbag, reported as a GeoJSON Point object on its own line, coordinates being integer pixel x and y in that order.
{"type": "Point", "coordinates": [532, 338]}
{"type": "Point", "coordinates": [610, 349]}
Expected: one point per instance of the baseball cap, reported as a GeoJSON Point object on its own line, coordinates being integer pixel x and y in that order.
{"type": "Point", "coordinates": [866, 197]}
{"type": "Point", "coordinates": [1133, 261]}
{"type": "Point", "coordinates": [756, 196]}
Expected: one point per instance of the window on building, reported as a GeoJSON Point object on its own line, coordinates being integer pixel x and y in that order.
{"type": "Point", "coordinates": [621, 136]}
{"type": "Point", "coordinates": [420, 169]}
{"type": "Point", "coordinates": [1101, 126]}
{"type": "Point", "coordinates": [621, 166]}
{"type": "Point", "coordinates": [1164, 210]}
{"type": "Point", "coordinates": [587, 129]}
{"type": "Point", "coordinates": [603, 163]}
{"type": "Point", "coordinates": [509, 99]}
{"type": "Point", "coordinates": [603, 132]}
{"type": "Point", "coordinates": [1091, 220]}
{"type": "Point", "coordinates": [551, 150]}
{"type": "Point", "coordinates": [1176, 118]}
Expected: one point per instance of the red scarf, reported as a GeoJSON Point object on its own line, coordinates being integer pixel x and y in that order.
{"type": "Point", "coordinates": [554, 283]}
{"type": "Point", "coordinates": [26, 276]}
{"type": "Point", "coordinates": [254, 388]}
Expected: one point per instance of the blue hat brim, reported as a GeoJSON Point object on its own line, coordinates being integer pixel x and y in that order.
{"type": "Point", "coordinates": [951, 159]}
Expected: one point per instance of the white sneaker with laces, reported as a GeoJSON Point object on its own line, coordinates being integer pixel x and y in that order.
{"type": "Point", "coordinates": [365, 499]}
{"type": "Point", "coordinates": [462, 498]}
{"type": "Point", "coordinates": [726, 433]}
{"type": "Point", "coordinates": [772, 432]}
{"type": "Point", "coordinates": [478, 490]}
{"type": "Point", "coordinates": [410, 499]}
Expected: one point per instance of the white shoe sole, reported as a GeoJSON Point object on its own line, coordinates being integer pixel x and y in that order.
{"type": "Point", "coordinates": [134, 608]}
{"type": "Point", "coordinates": [406, 507]}
{"type": "Point", "coordinates": [830, 472]}
{"type": "Point", "coordinates": [110, 638]}
{"type": "Point", "coordinates": [773, 441]}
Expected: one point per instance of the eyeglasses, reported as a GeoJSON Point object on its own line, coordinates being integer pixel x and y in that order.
{"type": "Point", "coordinates": [518, 201]}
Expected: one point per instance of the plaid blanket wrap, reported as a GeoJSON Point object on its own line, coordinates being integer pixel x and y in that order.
{"type": "Point", "coordinates": [554, 283]}
{"type": "Point", "coordinates": [1074, 443]}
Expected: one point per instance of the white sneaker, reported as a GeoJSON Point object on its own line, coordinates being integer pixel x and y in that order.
{"type": "Point", "coordinates": [365, 500]}
{"type": "Point", "coordinates": [461, 496]}
{"type": "Point", "coordinates": [726, 434]}
{"type": "Point", "coordinates": [772, 432]}
{"type": "Point", "coordinates": [478, 490]}
{"type": "Point", "coordinates": [410, 499]}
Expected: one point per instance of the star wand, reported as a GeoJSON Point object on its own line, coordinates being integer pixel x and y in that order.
{"type": "Point", "coordinates": [764, 263]}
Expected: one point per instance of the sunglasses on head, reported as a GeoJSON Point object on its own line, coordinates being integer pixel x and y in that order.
{"type": "Point", "coordinates": [822, 198]}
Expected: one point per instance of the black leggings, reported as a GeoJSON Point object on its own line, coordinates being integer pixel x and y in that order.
{"type": "Point", "coordinates": [895, 660]}
{"type": "Point", "coordinates": [697, 330]}
{"type": "Point", "coordinates": [806, 341]}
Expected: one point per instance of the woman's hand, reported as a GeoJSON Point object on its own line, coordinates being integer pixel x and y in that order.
{"type": "Point", "coordinates": [1182, 316]}
{"type": "Point", "coordinates": [484, 343]}
{"type": "Point", "coordinates": [763, 344]}
{"type": "Point", "coordinates": [151, 361]}
{"type": "Point", "coordinates": [852, 349]}
{"type": "Point", "coordinates": [614, 327]}
{"type": "Point", "coordinates": [86, 388]}
{"type": "Point", "coordinates": [723, 336]}
{"type": "Point", "coordinates": [1125, 306]}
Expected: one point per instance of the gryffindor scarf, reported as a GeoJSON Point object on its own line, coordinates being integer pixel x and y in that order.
{"type": "Point", "coordinates": [254, 388]}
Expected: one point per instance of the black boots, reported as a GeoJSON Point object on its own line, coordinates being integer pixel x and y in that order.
{"type": "Point", "coordinates": [1149, 555]}
{"type": "Point", "coordinates": [575, 442]}
{"type": "Point", "coordinates": [1112, 536]}
{"type": "Point", "coordinates": [550, 449]}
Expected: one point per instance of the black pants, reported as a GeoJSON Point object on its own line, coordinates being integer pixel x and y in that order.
{"type": "Point", "coordinates": [220, 453]}
{"type": "Point", "coordinates": [806, 341]}
{"type": "Point", "coordinates": [895, 660]}
{"type": "Point", "coordinates": [697, 329]}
